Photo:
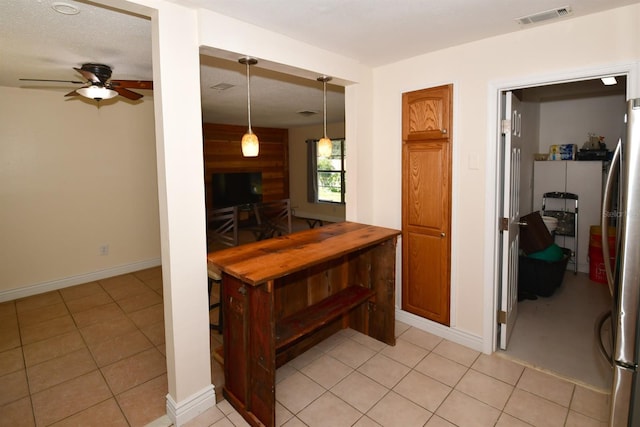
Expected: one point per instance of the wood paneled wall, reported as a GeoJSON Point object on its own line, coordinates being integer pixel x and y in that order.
{"type": "Point", "coordinates": [222, 153]}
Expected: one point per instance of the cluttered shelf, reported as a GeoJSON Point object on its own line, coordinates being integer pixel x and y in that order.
{"type": "Point", "coordinates": [593, 149]}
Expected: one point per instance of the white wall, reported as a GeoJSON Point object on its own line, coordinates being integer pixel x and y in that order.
{"type": "Point", "coordinates": [570, 121]}
{"type": "Point", "coordinates": [74, 177]}
{"type": "Point", "coordinates": [298, 172]}
{"type": "Point", "coordinates": [476, 70]}
{"type": "Point", "coordinates": [182, 210]}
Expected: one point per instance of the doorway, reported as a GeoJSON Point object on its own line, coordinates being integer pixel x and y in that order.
{"type": "Point", "coordinates": [556, 333]}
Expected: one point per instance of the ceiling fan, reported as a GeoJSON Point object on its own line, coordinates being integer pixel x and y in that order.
{"type": "Point", "coordinates": [99, 86]}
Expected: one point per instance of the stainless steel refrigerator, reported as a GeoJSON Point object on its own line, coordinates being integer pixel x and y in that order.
{"type": "Point", "coordinates": [622, 206]}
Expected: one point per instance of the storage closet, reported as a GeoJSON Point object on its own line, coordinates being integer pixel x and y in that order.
{"type": "Point", "coordinates": [556, 332]}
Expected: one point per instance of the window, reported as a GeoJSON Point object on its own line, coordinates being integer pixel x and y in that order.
{"type": "Point", "coordinates": [327, 174]}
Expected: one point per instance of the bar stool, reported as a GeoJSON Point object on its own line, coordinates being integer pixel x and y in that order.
{"type": "Point", "coordinates": [215, 277]}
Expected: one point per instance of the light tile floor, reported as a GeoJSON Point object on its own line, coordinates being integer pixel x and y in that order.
{"type": "Point", "coordinates": [352, 380]}
{"type": "Point", "coordinates": [93, 355]}
{"type": "Point", "coordinates": [87, 355]}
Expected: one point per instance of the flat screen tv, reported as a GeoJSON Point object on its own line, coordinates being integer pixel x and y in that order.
{"type": "Point", "coordinates": [237, 188]}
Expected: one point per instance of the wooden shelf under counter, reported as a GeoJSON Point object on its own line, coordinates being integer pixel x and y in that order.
{"type": "Point", "coordinates": [282, 296]}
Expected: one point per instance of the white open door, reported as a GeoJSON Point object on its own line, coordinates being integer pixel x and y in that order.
{"type": "Point", "coordinates": [510, 154]}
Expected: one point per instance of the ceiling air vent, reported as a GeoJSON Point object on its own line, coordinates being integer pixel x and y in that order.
{"type": "Point", "coordinates": [544, 16]}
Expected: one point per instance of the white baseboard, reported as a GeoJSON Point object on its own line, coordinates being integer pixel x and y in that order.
{"type": "Point", "coordinates": [460, 337]}
{"type": "Point", "coordinates": [191, 407]}
{"type": "Point", "coordinates": [39, 288]}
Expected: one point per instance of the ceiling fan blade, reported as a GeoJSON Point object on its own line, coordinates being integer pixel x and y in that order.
{"type": "Point", "coordinates": [88, 75]}
{"type": "Point", "coordinates": [73, 93]}
{"type": "Point", "coordinates": [132, 84]}
{"type": "Point", "coordinates": [127, 93]}
{"type": "Point", "coordinates": [59, 81]}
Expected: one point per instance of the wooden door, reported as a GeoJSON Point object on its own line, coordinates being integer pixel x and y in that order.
{"type": "Point", "coordinates": [426, 202]}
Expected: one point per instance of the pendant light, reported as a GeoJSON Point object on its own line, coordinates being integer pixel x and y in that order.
{"type": "Point", "coordinates": [325, 147]}
{"type": "Point", "coordinates": [250, 143]}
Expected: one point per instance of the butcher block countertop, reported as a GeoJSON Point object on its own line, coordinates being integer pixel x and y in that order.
{"type": "Point", "coordinates": [258, 262]}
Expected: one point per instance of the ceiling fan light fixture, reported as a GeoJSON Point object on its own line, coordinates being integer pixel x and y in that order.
{"type": "Point", "coordinates": [97, 93]}
{"type": "Point", "coordinates": [325, 146]}
{"type": "Point", "coordinates": [250, 143]}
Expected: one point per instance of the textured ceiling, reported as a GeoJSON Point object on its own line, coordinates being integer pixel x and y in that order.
{"type": "Point", "coordinates": [37, 42]}
{"type": "Point", "coordinates": [377, 32]}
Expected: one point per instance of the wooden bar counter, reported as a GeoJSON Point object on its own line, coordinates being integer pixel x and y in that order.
{"type": "Point", "coordinates": [282, 296]}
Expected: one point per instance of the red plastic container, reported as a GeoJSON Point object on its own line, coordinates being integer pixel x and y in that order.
{"type": "Point", "coordinates": [597, 271]}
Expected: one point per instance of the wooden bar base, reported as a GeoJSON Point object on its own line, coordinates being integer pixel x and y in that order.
{"type": "Point", "coordinates": [284, 295]}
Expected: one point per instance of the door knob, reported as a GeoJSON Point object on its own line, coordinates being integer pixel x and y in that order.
{"type": "Point", "coordinates": [443, 234]}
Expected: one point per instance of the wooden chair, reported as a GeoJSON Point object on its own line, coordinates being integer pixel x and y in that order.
{"type": "Point", "coordinates": [274, 219]}
{"type": "Point", "coordinates": [215, 278]}
{"type": "Point", "coordinates": [222, 226]}
{"type": "Point", "coordinates": [222, 229]}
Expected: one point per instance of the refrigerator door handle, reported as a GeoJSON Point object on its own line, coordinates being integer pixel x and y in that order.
{"type": "Point", "coordinates": [627, 290]}
{"type": "Point", "coordinates": [607, 354]}
{"type": "Point", "coordinates": [604, 220]}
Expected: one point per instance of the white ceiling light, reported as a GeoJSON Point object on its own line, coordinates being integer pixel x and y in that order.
{"type": "Point", "coordinates": [97, 92]}
{"type": "Point", "coordinates": [325, 147]}
{"type": "Point", "coordinates": [250, 143]}
{"type": "Point", "coordinates": [609, 81]}
{"type": "Point", "coordinates": [65, 8]}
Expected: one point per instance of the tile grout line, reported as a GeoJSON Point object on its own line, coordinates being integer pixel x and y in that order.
{"type": "Point", "coordinates": [325, 352]}
{"type": "Point", "coordinates": [86, 347]}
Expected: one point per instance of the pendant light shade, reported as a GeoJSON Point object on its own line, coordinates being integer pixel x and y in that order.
{"type": "Point", "coordinates": [250, 143]}
{"type": "Point", "coordinates": [325, 146]}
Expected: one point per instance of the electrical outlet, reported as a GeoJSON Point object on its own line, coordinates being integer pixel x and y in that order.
{"type": "Point", "coordinates": [104, 250]}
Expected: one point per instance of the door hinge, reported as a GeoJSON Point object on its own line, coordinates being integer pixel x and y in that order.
{"type": "Point", "coordinates": [502, 317]}
{"type": "Point", "coordinates": [504, 224]}
{"type": "Point", "coordinates": [506, 126]}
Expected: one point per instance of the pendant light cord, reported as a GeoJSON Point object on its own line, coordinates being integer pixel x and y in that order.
{"type": "Point", "coordinates": [324, 90]}
{"type": "Point", "coordinates": [248, 98]}
{"type": "Point", "coordinates": [249, 143]}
